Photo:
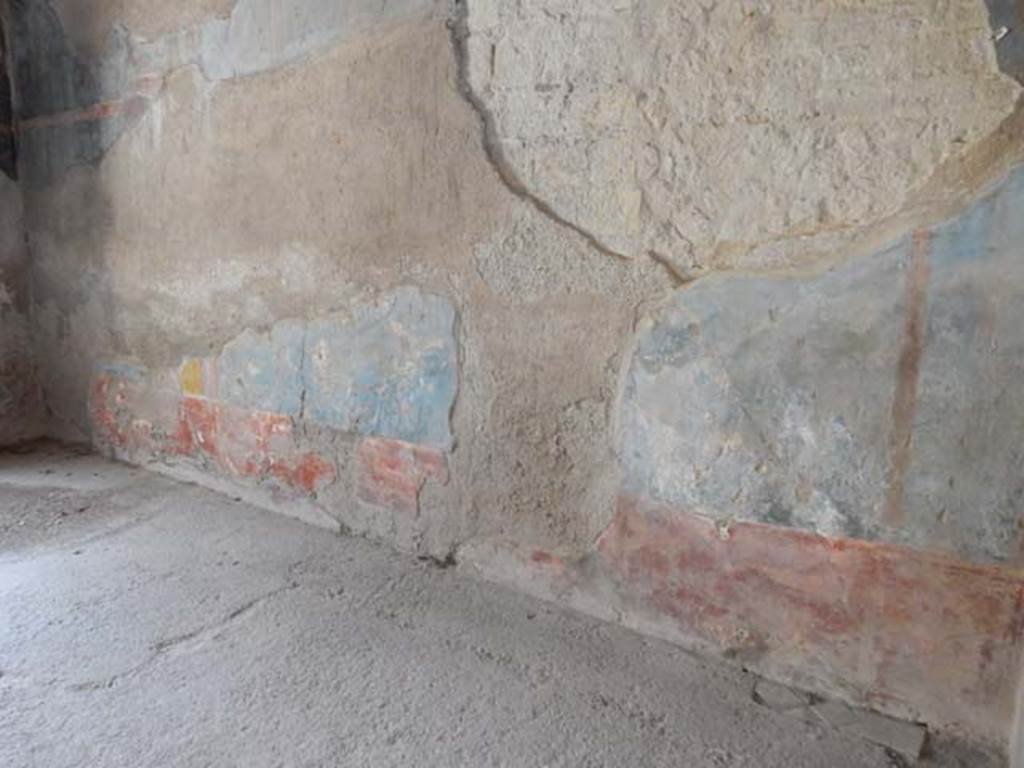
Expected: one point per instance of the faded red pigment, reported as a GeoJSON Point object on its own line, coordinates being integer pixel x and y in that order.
{"type": "Point", "coordinates": [392, 473]}
{"type": "Point", "coordinates": [251, 444]}
{"type": "Point", "coordinates": [131, 107]}
{"type": "Point", "coordinates": [237, 442]}
{"type": "Point", "coordinates": [871, 618]}
{"type": "Point", "coordinates": [904, 405]}
{"type": "Point", "coordinates": [890, 627]}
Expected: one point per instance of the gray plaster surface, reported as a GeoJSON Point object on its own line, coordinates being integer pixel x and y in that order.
{"type": "Point", "coordinates": [146, 622]}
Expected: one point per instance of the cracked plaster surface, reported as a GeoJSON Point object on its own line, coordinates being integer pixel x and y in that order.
{"type": "Point", "coordinates": [728, 134]}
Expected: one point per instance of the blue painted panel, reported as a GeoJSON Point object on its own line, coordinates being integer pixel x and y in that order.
{"type": "Point", "coordinates": [128, 371]}
{"type": "Point", "coordinates": [389, 370]}
{"type": "Point", "coordinates": [774, 398]}
{"type": "Point", "coordinates": [386, 369]}
{"type": "Point", "coordinates": [263, 371]}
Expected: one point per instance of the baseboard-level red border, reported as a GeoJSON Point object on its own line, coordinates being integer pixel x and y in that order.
{"type": "Point", "coordinates": [141, 423]}
{"type": "Point", "coordinates": [915, 633]}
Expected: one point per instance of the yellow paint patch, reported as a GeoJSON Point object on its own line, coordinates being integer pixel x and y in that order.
{"type": "Point", "coordinates": [192, 377]}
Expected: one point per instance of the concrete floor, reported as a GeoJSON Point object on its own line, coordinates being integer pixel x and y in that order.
{"type": "Point", "coordinates": [145, 622]}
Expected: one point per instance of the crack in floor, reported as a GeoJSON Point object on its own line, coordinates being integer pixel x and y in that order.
{"type": "Point", "coordinates": [161, 648]}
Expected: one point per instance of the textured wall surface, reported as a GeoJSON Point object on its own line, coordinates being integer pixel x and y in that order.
{"type": "Point", "coordinates": [369, 391]}
{"type": "Point", "coordinates": [702, 319]}
{"type": "Point", "coordinates": [20, 404]}
{"type": "Point", "coordinates": [8, 149]}
{"type": "Point", "coordinates": [855, 403]}
{"type": "Point", "coordinates": [875, 402]}
{"type": "Point", "coordinates": [20, 399]}
{"type": "Point", "coordinates": [737, 133]}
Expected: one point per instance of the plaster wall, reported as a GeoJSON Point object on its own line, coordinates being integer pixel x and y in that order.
{"type": "Point", "coordinates": [20, 404]}
{"type": "Point", "coordinates": [20, 401]}
{"type": "Point", "coordinates": [669, 314]}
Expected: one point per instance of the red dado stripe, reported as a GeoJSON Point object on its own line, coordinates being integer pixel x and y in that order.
{"type": "Point", "coordinates": [133, 105]}
{"type": "Point", "coordinates": [918, 634]}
